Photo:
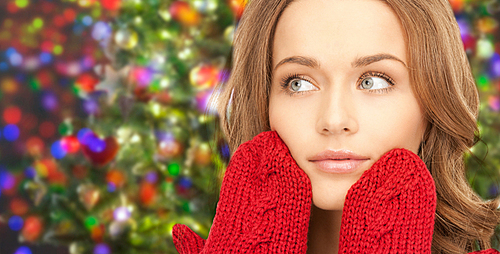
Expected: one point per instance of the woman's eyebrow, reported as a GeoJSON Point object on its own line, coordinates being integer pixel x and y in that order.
{"type": "Point", "coordinates": [302, 60]}
{"type": "Point", "coordinates": [366, 60]}
{"type": "Point", "coordinates": [359, 62]}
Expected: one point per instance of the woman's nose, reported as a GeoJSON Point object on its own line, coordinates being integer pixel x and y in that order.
{"type": "Point", "coordinates": [336, 114]}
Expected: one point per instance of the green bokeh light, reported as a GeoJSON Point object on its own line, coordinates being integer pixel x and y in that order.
{"type": "Point", "coordinates": [65, 128]}
{"type": "Point", "coordinates": [34, 84]}
{"type": "Point", "coordinates": [90, 222]}
{"type": "Point", "coordinates": [174, 169]}
{"type": "Point", "coordinates": [38, 23]}
{"type": "Point", "coordinates": [22, 3]}
{"type": "Point", "coordinates": [58, 49]}
{"type": "Point", "coordinates": [483, 82]}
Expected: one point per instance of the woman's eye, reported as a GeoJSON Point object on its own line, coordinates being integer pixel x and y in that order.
{"type": "Point", "coordinates": [374, 82]}
{"type": "Point", "coordinates": [299, 85]}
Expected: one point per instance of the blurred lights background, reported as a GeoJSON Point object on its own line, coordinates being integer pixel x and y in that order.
{"type": "Point", "coordinates": [106, 134]}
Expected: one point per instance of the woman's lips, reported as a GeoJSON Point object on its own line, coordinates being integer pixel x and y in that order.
{"type": "Point", "coordinates": [338, 166]}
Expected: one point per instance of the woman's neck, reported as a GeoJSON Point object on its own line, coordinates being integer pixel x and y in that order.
{"type": "Point", "coordinates": [324, 231]}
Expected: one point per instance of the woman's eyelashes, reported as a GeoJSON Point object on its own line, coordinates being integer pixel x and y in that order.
{"type": "Point", "coordinates": [381, 81]}
{"type": "Point", "coordinates": [373, 82]}
{"type": "Point", "coordinates": [294, 84]}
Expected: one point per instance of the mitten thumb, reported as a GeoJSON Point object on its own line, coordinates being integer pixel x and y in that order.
{"type": "Point", "coordinates": [186, 241]}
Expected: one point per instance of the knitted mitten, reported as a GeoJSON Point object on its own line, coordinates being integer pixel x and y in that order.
{"type": "Point", "coordinates": [390, 209]}
{"type": "Point", "coordinates": [264, 205]}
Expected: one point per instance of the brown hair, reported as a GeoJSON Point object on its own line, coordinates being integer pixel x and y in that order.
{"type": "Point", "coordinates": [438, 69]}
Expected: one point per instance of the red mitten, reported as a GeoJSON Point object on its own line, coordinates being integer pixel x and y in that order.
{"type": "Point", "coordinates": [390, 209]}
{"type": "Point", "coordinates": [264, 206]}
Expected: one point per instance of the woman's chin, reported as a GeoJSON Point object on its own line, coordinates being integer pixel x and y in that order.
{"type": "Point", "coordinates": [329, 205]}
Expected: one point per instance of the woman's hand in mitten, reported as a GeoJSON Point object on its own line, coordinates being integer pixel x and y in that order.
{"type": "Point", "coordinates": [390, 209]}
{"type": "Point", "coordinates": [264, 206]}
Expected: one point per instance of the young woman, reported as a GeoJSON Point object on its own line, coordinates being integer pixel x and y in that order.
{"type": "Point", "coordinates": [355, 90]}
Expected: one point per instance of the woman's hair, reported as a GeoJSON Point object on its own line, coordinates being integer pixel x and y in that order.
{"type": "Point", "coordinates": [438, 69]}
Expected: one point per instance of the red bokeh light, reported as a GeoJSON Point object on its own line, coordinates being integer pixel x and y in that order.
{"type": "Point", "coordinates": [32, 228]}
{"type": "Point", "coordinates": [46, 78]}
{"type": "Point", "coordinates": [12, 115]}
{"type": "Point", "coordinates": [70, 144]}
{"type": "Point", "coordinates": [69, 14]}
{"type": "Point", "coordinates": [457, 5]}
{"type": "Point", "coordinates": [59, 21]}
{"type": "Point", "coordinates": [116, 177]}
{"type": "Point", "coordinates": [18, 206]}
{"type": "Point", "coordinates": [111, 5]}
{"type": "Point", "coordinates": [47, 46]}
{"type": "Point", "coordinates": [12, 7]}
{"type": "Point", "coordinates": [86, 82]}
{"type": "Point", "coordinates": [35, 146]}
{"type": "Point", "coordinates": [147, 193]}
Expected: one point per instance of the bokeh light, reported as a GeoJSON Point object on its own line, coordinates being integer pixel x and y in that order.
{"type": "Point", "coordinates": [69, 14]}
{"type": "Point", "coordinates": [95, 144]}
{"type": "Point", "coordinates": [70, 144]}
{"type": "Point", "coordinates": [185, 182]}
{"type": "Point", "coordinates": [494, 102]}
{"type": "Point", "coordinates": [22, 3]}
{"type": "Point", "coordinates": [7, 180]}
{"type": "Point", "coordinates": [463, 25]}
{"type": "Point", "coordinates": [495, 66]}
{"type": "Point", "coordinates": [49, 101]}
{"type": "Point", "coordinates": [101, 30]}
{"type": "Point", "coordinates": [45, 58]}
{"type": "Point", "coordinates": [111, 4]}
{"type": "Point", "coordinates": [151, 177]}
{"type": "Point", "coordinates": [58, 49]}
{"type": "Point", "coordinates": [38, 23]}
{"type": "Point", "coordinates": [35, 146]}
{"type": "Point", "coordinates": [102, 248]}
{"type": "Point", "coordinates": [121, 213]}
{"type": "Point", "coordinates": [16, 223]}
{"type": "Point", "coordinates": [485, 48]}
{"type": "Point", "coordinates": [18, 206]}
{"type": "Point", "coordinates": [30, 172]}
{"type": "Point", "coordinates": [90, 222]}
{"type": "Point", "coordinates": [12, 115]}
{"type": "Point", "coordinates": [86, 82]}
{"type": "Point", "coordinates": [23, 250]}
{"type": "Point", "coordinates": [11, 132]}
{"type": "Point", "coordinates": [16, 59]}
{"type": "Point", "coordinates": [116, 178]}
{"type": "Point", "coordinates": [144, 76]}
{"type": "Point", "coordinates": [173, 169]}
{"type": "Point", "coordinates": [32, 228]}
{"type": "Point", "coordinates": [57, 150]}
{"type": "Point", "coordinates": [91, 106]}
{"type": "Point", "coordinates": [84, 135]}
{"type": "Point", "coordinates": [111, 187]}
{"type": "Point", "coordinates": [87, 20]}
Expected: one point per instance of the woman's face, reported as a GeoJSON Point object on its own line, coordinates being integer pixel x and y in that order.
{"type": "Point", "coordinates": [347, 88]}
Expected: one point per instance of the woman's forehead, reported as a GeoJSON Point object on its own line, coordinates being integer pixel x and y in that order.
{"type": "Point", "coordinates": [341, 30]}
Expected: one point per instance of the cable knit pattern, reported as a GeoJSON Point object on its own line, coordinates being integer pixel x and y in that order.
{"type": "Point", "coordinates": [265, 206]}
{"type": "Point", "coordinates": [390, 209]}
